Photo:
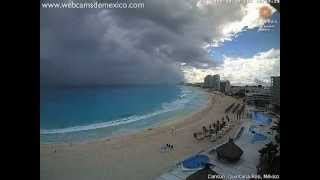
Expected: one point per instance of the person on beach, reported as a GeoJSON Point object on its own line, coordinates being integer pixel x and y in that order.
{"type": "Point", "coordinates": [211, 129]}
{"type": "Point", "coordinates": [195, 135]}
{"type": "Point", "coordinates": [169, 146]}
{"type": "Point", "coordinates": [204, 130]}
{"type": "Point", "coordinates": [163, 148]}
{"type": "Point", "coordinates": [223, 123]}
{"type": "Point", "coordinates": [173, 131]}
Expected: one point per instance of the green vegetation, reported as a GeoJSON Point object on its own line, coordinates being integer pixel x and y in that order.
{"type": "Point", "coordinates": [270, 155]}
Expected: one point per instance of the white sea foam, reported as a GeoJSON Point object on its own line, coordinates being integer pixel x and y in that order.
{"type": "Point", "coordinates": [185, 97]}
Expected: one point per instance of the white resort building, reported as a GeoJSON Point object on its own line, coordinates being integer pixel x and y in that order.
{"type": "Point", "coordinates": [259, 96]}
{"type": "Point", "coordinates": [212, 82]}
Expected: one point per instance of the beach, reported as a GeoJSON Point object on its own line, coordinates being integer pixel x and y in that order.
{"type": "Point", "coordinates": [134, 156]}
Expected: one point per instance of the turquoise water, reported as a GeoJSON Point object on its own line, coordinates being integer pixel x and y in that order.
{"type": "Point", "coordinates": [258, 137]}
{"type": "Point", "coordinates": [259, 118]}
{"type": "Point", "coordinates": [76, 114]}
{"type": "Point", "coordinates": [195, 161]}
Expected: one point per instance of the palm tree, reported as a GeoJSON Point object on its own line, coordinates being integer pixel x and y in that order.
{"type": "Point", "coordinates": [269, 159]}
{"type": "Point", "coordinates": [277, 129]}
{"type": "Point", "coordinates": [270, 155]}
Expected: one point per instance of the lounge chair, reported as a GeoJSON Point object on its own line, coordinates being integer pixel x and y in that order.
{"type": "Point", "coordinates": [207, 134]}
{"type": "Point", "coordinates": [220, 133]}
{"type": "Point", "coordinates": [225, 129]}
{"type": "Point", "coordinates": [198, 135]}
{"type": "Point", "coordinates": [213, 138]}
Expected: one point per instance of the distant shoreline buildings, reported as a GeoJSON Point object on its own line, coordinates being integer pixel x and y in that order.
{"type": "Point", "coordinates": [214, 83]}
{"type": "Point", "coordinates": [275, 91]}
{"type": "Point", "coordinates": [263, 97]}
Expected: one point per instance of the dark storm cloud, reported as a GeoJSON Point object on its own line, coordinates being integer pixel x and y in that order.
{"type": "Point", "coordinates": [82, 47]}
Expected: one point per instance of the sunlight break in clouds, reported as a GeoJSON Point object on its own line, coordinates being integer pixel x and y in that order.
{"type": "Point", "coordinates": [250, 20]}
{"type": "Point", "coordinates": [240, 71]}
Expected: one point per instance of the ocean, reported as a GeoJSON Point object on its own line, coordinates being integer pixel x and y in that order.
{"type": "Point", "coordinates": [78, 114]}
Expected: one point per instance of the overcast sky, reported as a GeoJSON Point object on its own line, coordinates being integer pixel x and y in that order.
{"type": "Point", "coordinates": [165, 42]}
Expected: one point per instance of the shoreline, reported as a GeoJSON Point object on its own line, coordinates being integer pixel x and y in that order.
{"type": "Point", "coordinates": [103, 158]}
{"type": "Point", "coordinates": [163, 122]}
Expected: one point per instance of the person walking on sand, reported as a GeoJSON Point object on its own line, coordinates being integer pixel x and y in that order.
{"type": "Point", "coordinates": [173, 131]}
{"type": "Point", "coordinates": [204, 129]}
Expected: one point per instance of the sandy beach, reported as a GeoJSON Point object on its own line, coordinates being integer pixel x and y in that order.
{"type": "Point", "coordinates": [135, 156]}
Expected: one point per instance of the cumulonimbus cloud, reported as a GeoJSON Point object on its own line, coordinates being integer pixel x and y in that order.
{"type": "Point", "coordinates": [82, 47]}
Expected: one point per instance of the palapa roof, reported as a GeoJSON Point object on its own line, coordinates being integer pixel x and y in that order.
{"type": "Point", "coordinates": [229, 151]}
{"type": "Point", "coordinates": [202, 174]}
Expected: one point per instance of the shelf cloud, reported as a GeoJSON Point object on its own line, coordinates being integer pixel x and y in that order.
{"type": "Point", "coordinates": [88, 47]}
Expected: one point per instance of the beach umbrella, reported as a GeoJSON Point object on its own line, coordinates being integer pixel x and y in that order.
{"type": "Point", "coordinates": [229, 151]}
{"type": "Point", "coordinates": [202, 174]}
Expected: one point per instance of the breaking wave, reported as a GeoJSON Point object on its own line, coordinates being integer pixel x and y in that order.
{"type": "Point", "coordinates": [184, 98]}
